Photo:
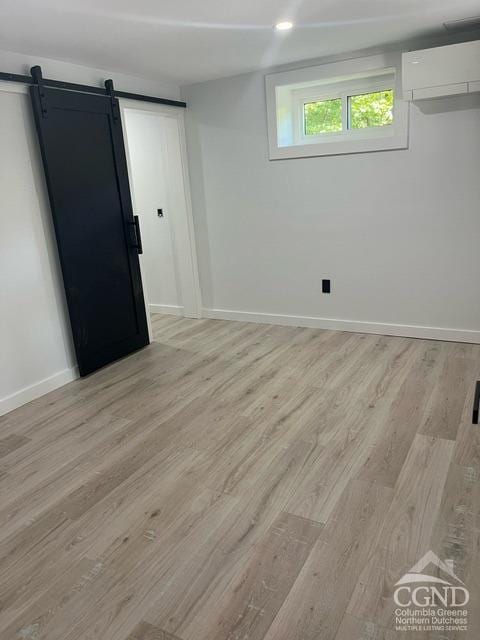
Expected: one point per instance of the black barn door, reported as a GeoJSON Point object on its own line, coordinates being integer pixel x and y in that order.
{"type": "Point", "coordinates": [84, 159]}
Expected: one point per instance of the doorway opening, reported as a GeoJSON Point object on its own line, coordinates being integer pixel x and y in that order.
{"type": "Point", "coordinates": [156, 158]}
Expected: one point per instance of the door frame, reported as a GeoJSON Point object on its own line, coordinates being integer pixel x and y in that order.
{"type": "Point", "coordinates": [184, 244]}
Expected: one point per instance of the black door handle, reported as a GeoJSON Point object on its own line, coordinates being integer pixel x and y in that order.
{"type": "Point", "coordinates": [138, 237]}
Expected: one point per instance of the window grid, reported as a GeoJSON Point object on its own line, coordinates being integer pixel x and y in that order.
{"type": "Point", "coordinates": [346, 102]}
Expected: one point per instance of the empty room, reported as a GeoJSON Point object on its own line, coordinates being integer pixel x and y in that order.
{"type": "Point", "coordinates": [240, 320]}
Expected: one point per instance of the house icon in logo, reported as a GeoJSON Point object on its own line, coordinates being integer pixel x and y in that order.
{"type": "Point", "coordinates": [416, 573]}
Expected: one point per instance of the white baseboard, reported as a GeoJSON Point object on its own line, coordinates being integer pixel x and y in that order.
{"type": "Point", "coordinates": [36, 390]}
{"type": "Point", "coordinates": [356, 326]}
{"type": "Point", "coordinates": [169, 309]}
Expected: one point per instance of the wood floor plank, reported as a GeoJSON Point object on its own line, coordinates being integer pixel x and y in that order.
{"type": "Point", "coordinates": [407, 412]}
{"type": "Point", "coordinates": [130, 576]}
{"type": "Point", "coordinates": [54, 601]}
{"type": "Point", "coordinates": [408, 529]}
{"type": "Point", "coordinates": [318, 600]}
{"type": "Point", "coordinates": [473, 586]}
{"type": "Point", "coordinates": [456, 534]}
{"type": "Point", "coordinates": [145, 631]}
{"type": "Point", "coordinates": [352, 628]}
{"type": "Point", "coordinates": [11, 443]}
{"type": "Point", "coordinates": [157, 492]}
{"type": "Point", "coordinates": [353, 439]}
{"type": "Point", "coordinates": [199, 584]}
{"type": "Point", "coordinates": [250, 605]}
{"type": "Point", "coordinates": [31, 492]}
{"type": "Point", "coordinates": [447, 402]}
{"type": "Point", "coordinates": [235, 481]}
{"type": "Point", "coordinates": [28, 494]}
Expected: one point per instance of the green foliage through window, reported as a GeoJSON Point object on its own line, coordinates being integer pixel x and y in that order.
{"type": "Point", "coordinates": [371, 110]}
{"type": "Point", "coordinates": [364, 111]}
{"type": "Point", "coordinates": [323, 117]}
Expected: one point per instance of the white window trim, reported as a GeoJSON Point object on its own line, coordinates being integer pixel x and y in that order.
{"type": "Point", "coordinates": [363, 75]}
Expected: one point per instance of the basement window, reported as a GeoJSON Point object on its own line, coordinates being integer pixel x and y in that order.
{"type": "Point", "coordinates": [316, 111]}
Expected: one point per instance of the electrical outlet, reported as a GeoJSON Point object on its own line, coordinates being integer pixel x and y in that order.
{"type": "Point", "coordinates": [326, 286]}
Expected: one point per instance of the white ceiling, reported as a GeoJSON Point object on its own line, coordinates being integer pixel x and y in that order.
{"type": "Point", "coordinates": [193, 40]}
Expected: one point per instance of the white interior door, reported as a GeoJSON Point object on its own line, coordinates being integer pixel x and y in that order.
{"type": "Point", "coordinates": [160, 195]}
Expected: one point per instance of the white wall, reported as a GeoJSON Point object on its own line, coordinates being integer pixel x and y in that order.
{"type": "Point", "coordinates": [398, 232]}
{"type": "Point", "coordinates": [34, 338]}
{"type": "Point", "coordinates": [57, 70]}
{"type": "Point", "coordinates": [36, 353]}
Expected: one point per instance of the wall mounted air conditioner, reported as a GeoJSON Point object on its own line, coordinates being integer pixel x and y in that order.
{"type": "Point", "coordinates": [441, 71]}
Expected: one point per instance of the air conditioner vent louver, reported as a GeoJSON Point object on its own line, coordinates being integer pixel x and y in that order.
{"type": "Point", "coordinates": [460, 26]}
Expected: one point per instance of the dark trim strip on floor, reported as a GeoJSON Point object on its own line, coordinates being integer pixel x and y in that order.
{"type": "Point", "coordinates": [476, 403]}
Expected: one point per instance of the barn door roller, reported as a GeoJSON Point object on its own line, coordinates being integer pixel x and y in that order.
{"type": "Point", "coordinates": [113, 100]}
{"type": "Point", "coordinates": [38, 82]}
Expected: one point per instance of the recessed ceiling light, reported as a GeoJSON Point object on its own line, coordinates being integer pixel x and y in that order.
{"type": "Point", "coordinates": [284, 26]}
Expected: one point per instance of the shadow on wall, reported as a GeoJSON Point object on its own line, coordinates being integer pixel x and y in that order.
{"type": "Point", "coordinates": [199, 205]}
{"type": "Point", "coordinates": [446, 105]}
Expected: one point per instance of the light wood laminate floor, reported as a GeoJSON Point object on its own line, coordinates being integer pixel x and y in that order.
{"type": "Point", "coordinates": [236, 481]}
